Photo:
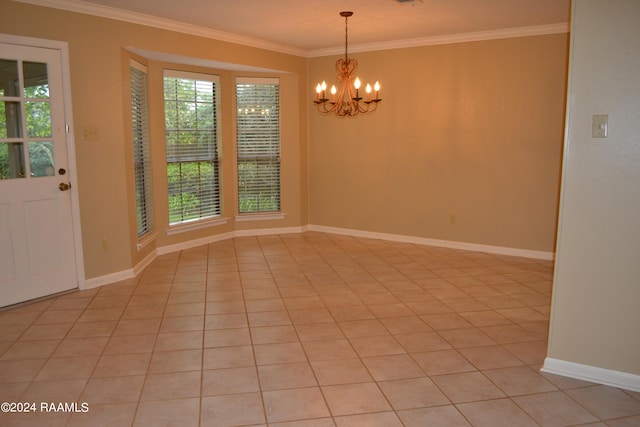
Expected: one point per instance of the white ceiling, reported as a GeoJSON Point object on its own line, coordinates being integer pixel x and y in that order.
{"type": "Point", "coordinates": [309, 27]}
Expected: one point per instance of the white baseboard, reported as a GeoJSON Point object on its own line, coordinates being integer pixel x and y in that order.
{"type": "Point", "coordinates": [108, 279]}
{"type": "Point", "coordinates": [224, 236]}
{"type": "Point", "coordinates": [592, 374]}
{"type": "Point", "coordinates": [119, 276]}
{"type": "Point", "coordinates": [139, 267]}
{"type": "Point", "coordinates": [268, 231]}
{"type": "Point", "coordinates": [498, 250]}
{"type": "Point", "coordinates": [163, 250]}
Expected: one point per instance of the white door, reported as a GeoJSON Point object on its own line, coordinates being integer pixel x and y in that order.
{"type": "Point", "coordinates": [36, 234]}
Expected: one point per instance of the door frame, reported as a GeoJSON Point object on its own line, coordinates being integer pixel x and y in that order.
{"type": "Point", "coordinates": [63, 48]}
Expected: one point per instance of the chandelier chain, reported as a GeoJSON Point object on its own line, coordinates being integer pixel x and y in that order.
{"type": "Point", "coordinates": [346, 38]}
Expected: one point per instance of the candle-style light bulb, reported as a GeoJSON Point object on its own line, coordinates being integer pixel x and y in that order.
{"type": "Point", "coordinates": [318, 89]}
{"type": "Point", "coordinates": [323, 87]}
{"type": "Point", "coordinates": [368, 90]}
{"type": "Point", "coordinates": [333, 92]}
{"type": "Point", "coordinates": [376, 87]}
{"type": "Point", "coordinates": [356, 84]}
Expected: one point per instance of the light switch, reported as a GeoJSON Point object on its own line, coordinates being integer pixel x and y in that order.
{"type": "Point", "coordinates": [90, 133]}
{"type": "Point", "coordinates": [600, 126]}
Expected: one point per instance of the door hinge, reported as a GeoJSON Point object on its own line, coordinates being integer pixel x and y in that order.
{"type": "Point", "coordinates": [66, 128]}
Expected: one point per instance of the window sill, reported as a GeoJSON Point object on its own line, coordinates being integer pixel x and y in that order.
{"type": "Point", "coordinates": [183, 228]}
{"type": "Point", "coordinates": [142, 243]}
{"type": "Point", "coordinates": [260, 216]}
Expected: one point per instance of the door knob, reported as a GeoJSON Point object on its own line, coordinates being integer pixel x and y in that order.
{"type": "Point", "coordinates": [64, 186]}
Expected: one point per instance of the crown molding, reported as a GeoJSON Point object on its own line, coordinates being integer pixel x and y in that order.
{"type": "Point", "coordinates": [506, 33]}
{"type": "Point", "coordinates": [87, 8]}
{"type": "Point", "coordinates": [198, 62]}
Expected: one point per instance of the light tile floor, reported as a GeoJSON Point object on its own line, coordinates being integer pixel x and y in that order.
{"type": "Point", "coordinates": [305, 329]}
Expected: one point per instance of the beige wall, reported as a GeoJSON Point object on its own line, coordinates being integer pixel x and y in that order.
{"type": "Point", "coordinates": [595, 317]}
{"type": "Point", "coordinates": [470, 129]}
{"type": "Point", "coordinates": [99, 80]}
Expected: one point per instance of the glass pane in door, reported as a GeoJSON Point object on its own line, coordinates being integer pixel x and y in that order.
{"type": "Point", "coordinates": [10, 120]}
{"type": "Point", "coordinates": [41, 158]}
{"type": "Point", "coordinates": [38, 119]}
{"type": "Point", "coordinates": [8, 77]}
{"type": "Point", "coordinates": [11, 160]}
{"type": "Point", "coordinates": [36, 82]}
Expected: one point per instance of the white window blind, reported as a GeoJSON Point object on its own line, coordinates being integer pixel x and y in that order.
{"type": "Point", "coordinates": [141, 148]}
{"type": "Point", "coordinates": [191, 126]}
{"type": "Point", "coordinates": [258, 144]}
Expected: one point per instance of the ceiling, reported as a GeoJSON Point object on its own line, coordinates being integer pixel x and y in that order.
{"type": "Point", "coordinates": [312, 27]}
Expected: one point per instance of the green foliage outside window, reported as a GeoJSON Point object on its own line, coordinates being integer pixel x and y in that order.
{"type": "Point", "coordinates": [253, 176]}
{"type": "Point", "coordinates": [186, 183]}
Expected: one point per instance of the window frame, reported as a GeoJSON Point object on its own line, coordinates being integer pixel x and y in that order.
{"type": "Point", "coordinates": [214, 151]}
{"type": "Point", "coordinates": [141, 149]}
{"type": "Point", "coordinates": [264, 154]}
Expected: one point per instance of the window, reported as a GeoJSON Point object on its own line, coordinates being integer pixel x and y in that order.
{"type": "Point", "coordinates": [191, 126]}
{"type": "Point", "coordinates": [258, 144]}
{"type": "Point", "coordinates": [141, 153]}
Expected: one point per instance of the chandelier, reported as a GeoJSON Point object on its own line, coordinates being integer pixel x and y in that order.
{"type": "Point", "coordinates": [347, 100]}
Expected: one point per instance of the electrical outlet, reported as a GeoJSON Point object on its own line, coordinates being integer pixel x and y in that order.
{"type": "Point", "coordinates": [105, 245]}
